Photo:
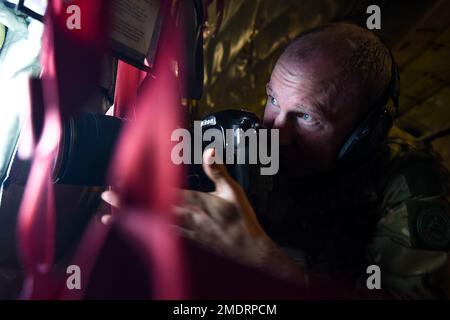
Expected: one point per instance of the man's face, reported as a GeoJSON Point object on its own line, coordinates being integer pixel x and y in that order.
{"type": "Point", "coordinates": [314, 116]}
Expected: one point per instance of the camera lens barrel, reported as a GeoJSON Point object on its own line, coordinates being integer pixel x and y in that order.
{"type": "Point", "coordinates": [85, 149]}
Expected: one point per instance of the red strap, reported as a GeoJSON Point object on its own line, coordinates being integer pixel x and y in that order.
{"type": "Point", "coordinates": [128, 81]}
{"type": "Point", "coordinates": [71, 65]}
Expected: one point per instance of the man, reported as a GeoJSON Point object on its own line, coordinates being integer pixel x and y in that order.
{"type": "Point", "coordinates": [323, 220]}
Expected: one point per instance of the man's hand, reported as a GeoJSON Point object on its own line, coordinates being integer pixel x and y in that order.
{"type": "Point", "coordinates": [224, 221]}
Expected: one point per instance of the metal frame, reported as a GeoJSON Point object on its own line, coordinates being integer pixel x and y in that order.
{"type": "Point", "coordinates": [21, 7]}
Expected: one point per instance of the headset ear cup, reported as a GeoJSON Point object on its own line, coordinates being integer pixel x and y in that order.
{"type": "Point", "coordinates": [348, 151]}
{"type": "Point", "coordinates": [367, 138]}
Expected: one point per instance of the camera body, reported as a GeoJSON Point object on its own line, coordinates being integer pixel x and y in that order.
{"type": "Point", "coordinates": [231, 124]}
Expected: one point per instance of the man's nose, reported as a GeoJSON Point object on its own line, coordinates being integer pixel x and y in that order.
{"type": "Point", "coordinates": [283, 123]}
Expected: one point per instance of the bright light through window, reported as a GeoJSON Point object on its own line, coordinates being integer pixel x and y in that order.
{"type": "Point", "coordinates": [19, 59]}
{"type": "Point", "coordinates": [37, 6]}
{"type": "Point", "coordinates": [2, 35]}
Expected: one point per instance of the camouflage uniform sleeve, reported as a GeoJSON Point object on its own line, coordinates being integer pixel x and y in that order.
{"type": "Point", "coordinates": [411, 242]}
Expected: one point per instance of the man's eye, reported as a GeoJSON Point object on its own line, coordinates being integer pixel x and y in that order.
{"type": "Point", "coordinates": [273, 101]}
{"type": "Point", "coordinates": [305, 117]}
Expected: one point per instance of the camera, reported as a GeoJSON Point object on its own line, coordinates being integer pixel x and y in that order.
{"type": "Point", "coordinates": [88, 141]}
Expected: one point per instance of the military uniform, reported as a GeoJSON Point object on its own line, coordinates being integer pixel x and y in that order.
{"type": "Point", "coordinates": [391, 212]}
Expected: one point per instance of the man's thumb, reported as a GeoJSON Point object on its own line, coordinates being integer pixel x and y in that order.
{"type": "Point", "coordinates": [218, 174]}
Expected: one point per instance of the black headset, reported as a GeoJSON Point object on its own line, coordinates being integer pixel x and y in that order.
{"type": "Point", "coordinates": [373, 129]}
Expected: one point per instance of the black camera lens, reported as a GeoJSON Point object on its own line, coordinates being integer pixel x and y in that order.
{"type": "Point", "coordinates": [85, 149]}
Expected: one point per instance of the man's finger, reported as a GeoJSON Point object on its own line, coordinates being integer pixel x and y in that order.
{"type": "Point", "coordinates": [218, 174]}
{"type": "Point", "coordinates": [190, 218]}
{"type": "Point", "coordinates": [106, 219]}
{"type": "Point", "coordinates": [183, 232]}
{"type": "Point", "coordinates": [184, 217]}
{"type": "Point", "coordinates": [111, 198]}
{"type": "Point", "coordinates": [211, 204]}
